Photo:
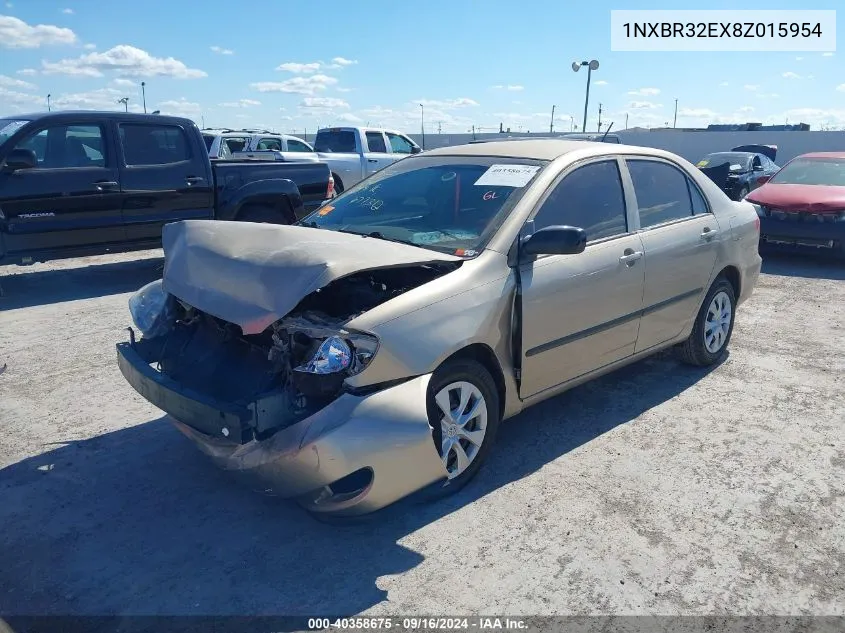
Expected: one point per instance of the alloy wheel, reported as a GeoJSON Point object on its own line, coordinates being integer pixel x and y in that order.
{"type": "Point", "coordinates": [463, 425]}
{"type": "Point", "coordinates": [717, 323]}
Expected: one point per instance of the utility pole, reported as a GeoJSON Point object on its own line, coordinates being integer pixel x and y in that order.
{"type": "Point", "coordinates": [48, 103]}
{"type": "Point", "coordinates": [125, 102]}
{"type": "Point", "coordinates": [599, 128]}
{"type": "Point", "coordinates": [422, 123]}
{"type": "Point", "coordinates": [144, 95]}
{"type": "Point", "coordinates": [440, 127]}
{"type": "Point", "coordinates": [571, 122]}
{"type": "Point", "coordinates": [675, 122]}
{"type": "Point", "coordinates": [552, 124]}
{"type": "Point", "coordinates": [626, 120]}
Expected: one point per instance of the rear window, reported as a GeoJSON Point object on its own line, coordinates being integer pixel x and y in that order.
{"type": "Point", "coordinates": [339, 141]}
{"type": "Point", "coordinates": [209, 140]}
{"type": "Point", "coordinates": [153, 144]}
{"type": "Point", "coordinates": [812, 171]}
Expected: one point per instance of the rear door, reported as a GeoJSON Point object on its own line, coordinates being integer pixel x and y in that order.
{"type": "Point", "coordinates": [680, 238]}
{"type": "Point", "coordinates": [70, 199]}
{"type": "Point", "coordinates": [163, 178]}
{"type": "Point", "coordinates": [377, 156]}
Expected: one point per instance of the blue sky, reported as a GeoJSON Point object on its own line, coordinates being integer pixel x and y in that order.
{"type": "Point", "coordinates": [293, 65]}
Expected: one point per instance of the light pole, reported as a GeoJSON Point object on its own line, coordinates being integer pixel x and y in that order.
{"type": "Point", "coordinates": [591, 66]}
{"type": "Point", "coordinates": [422, 124]}
{"type": "Point", "coordinates": [552, 124]}
{"type": "Point", "coordinates": [599, 127]}
{"type": "Point", "coordinates": [125, 102]}
{"type": "Point", "coordinates": [144, 95]}
{"type": "Point", "coordinates": [675, 122]}
{"type": "Point", "coordinates": [48, 103]}
{"type": "Point", "coordinates": [571, 122]}
{"type": "Point", "coordinates": [626, 120]}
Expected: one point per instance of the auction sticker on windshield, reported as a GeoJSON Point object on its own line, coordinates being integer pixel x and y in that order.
{"type": "Point", "coordinates": [11, 127]}
{"type": "Point", "coordinates": [507, 175]}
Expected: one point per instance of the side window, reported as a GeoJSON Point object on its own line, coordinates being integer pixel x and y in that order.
{"type": "Point", "coordinates": [662, 192]}
{"type": "Point", "coordinates": [756, 164]}
{"type": "Point", "coordinates": [67, 146]}
{"type": "Point", "coordinates": [270, 144]}
{"type": "Point", "coordinates": [399, 144]}
{"type": "Point", "coordinates": [153, 144]}
{"type": "Point", "coordinates": [699, 204]}
{"type": "Point", "coordinates": [297, 146]}
{"type": "Point", "coordinates": [375, 141]}
{"type": "Point", "coordinates": [235, 144]}
{"type": "Point", "coordinates": [592, 198]}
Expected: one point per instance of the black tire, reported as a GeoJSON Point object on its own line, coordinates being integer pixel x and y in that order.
{"type": "Point", "coordinates": [338, 184]}
{"type": "Point", "coordinates": [477, 375]}
{"type": "Point", "coordinates": [694, 351]}
{"type": "Point", "coordinates": [263, 214]}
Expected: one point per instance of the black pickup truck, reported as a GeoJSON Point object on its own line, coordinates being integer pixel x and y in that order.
{"type": "Point", "coordinates": [88, 183]}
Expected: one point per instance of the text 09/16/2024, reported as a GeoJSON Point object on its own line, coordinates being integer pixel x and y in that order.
{"type": "Point", "coordinates": [723, 30]}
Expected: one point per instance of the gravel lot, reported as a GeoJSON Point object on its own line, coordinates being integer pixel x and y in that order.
{"type": "Point", "coordinates": [659, 489]}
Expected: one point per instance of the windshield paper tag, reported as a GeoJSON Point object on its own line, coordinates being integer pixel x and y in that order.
{"type": "Point", "coordinates": [507, 175]}
{"type": "Point", "coordinates": [12, 127]}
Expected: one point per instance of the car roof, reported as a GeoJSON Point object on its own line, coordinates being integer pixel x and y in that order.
{"type": "Point", "coordinates": [91, 115]}
{"type": "Point", "coordinates": [544, 149]}
{"type": "Point", "coordinates": [823, 155]}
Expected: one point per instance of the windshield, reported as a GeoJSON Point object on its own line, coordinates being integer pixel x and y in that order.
{"type": "Point", "coordinates": [339, 141]}
{"type": "Point", "coordinates": [736, 160]}
{"type": "Point", "coordinates": [812, 171]}
{"type": "Point", "coordinates": [445, 203]}
{"type": "Point", "coordinates": [9, 127]}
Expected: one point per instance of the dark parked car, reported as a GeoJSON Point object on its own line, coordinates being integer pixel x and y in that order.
{"type": "Point", "coordinates": [86, 183]}
{"type": "Point", "coordinates": [802, 207]}
{"type": "Point", "coordinates": [739, 171]}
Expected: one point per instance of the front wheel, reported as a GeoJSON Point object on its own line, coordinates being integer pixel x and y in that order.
{"type": "Point", "coordinates": [463, 410]}
{"type": "Point", "coordinates": [713, 327]}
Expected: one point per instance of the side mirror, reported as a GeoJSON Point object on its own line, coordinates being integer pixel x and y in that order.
{"type": "Point", "coordinates": [415, 150]}
{"type": "Point", "coordinates": [554, 240]}
{"type": "Point", "coordinates": [21, 159]}
{"type": "Point", "coordinates": [762, 180]}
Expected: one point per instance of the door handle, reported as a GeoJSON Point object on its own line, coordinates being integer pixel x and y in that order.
{"type": "Point", "coordinates": [708, 233]}
{"type": "Point", "coordinates": [102, 185]}
{"type": "Point", "coordinates": [630, 257]}
{"type": "Point", "coordinates": [192, 180]}
{"type": "Point", "coordinates": [372, 160]}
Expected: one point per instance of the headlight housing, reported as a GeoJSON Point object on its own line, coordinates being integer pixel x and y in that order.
{"type": "Point", "coordinates": [153, 310]}
{"type": "Point", "coordinates": [345, 352]}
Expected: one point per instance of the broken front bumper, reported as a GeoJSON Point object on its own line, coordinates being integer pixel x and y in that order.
{"type": "Point", "coordinates": [382, 441]}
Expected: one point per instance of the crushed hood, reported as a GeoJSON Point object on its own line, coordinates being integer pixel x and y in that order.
{"type": "Point", "coordinates": [254, 274]}
{"type": "Point", "coordinates": [795, 198]}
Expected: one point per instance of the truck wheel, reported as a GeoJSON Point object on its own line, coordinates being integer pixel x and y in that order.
{"type": "Point", "coordinates": [338, 184]}
{"type": "Point", "coordinates": [260, 213]}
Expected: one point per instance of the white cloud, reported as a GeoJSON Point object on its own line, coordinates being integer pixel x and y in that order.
{"type": "Point", "coordinates": [344, 89]}
{"type": "Point", "coordinates": [102, 99]}
{"type": "Point", "coordinates": [124, 60]}
{"type": "Point", "coordinates": [323, 103]}
{"type": "Point", "coordinates": [296, 67]}
{"type": "Point", "coordinates": [342, 61]}
{"type": "Point", "coordinates": [448, 104]}
{"type": "Point", "coordinates": [724, 84]}
{"type": "Point", "coordinates": [240, 103]}
{"type": "Point", "coordinates": [827, 54]}
{"type": "Point", "coordinates": [509, 87]}
{"type": "Point", "coordinates": [791, 75]}
{"type": "Point", "coordinates": [767, 95]}
{"type": "Point", "coordinates": [15, 33]}
{"type": "Point", "coordinates": [67, 11]}
{"type": "Point", "coordinates": [27, 72]}
{"type": "Point", "coordinates": [816, 117]}
{"type": "Point", "coordinates": [841, 87]}
{"type": "Point", "coordinates": [181, 107]}
{"type": "Point", "coordinates": [90, 47]}
{"type": "Point", "coordinates": [751, 87]}
{"type": "Point", "coordinates": [645, 92]}
{"type": "Point", "coordinates": [746, 109]}
{"type": "Point", "coordinates": [644, 105]}
{"type": "Point", "coordinates": [11, 82]}
{"type": "Point", "coordinates": [798, 59]}
{"type": "Point", "coordinates": [600, 82]}
{"type": "Point", "coordinates": [346, 117]}
{"type": "Point", "coordinates": [297, 85]}
{"type": "Point", "coordinates": [222, 51]}
{"type": "Point", "coordinates": [17, 99]}
{"type": "Point", "coordinates": [126, 83]}
{"type": "Point", "coordinates": [697, 113]}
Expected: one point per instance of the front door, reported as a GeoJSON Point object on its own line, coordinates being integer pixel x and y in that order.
{"type": "Point", "coordinates": [70, 199]}
{"type": "Point", "coordinates": [163, 179]}
{"type": "Point", "coordinates": [582, 312]}
{"type": "Point", "coordinates": [377, 155]}
{"type": "Point", "coordinates": [680, 237]}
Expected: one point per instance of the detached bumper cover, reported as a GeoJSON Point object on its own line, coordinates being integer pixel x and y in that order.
{"type": "Point", "coordinates": [797, 235]}
{"type": "Point", "coordinates": [386, 432]}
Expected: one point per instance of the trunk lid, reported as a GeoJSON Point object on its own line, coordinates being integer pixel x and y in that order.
{"type": "Point", "coordinates": [252, 275]}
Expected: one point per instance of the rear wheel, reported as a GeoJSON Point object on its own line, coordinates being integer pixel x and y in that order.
{"type": "Point", "coordinates": [713, 327]}
{"type": "Point", "coordinates": [463, 410]}
{"type": "Point", "coordinates": [338, 184]}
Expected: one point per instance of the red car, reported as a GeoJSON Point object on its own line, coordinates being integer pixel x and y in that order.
{"type": "Point", "coordinates": [802, 207]}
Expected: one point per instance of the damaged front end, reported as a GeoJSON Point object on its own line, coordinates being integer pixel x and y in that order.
{"type": "Point", "coordinates": [280, 376]}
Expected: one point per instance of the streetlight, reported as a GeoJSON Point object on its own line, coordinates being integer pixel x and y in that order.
{"type": "Point", "coordinates": [125, 102]}
{"type": "Point", "coordinates": [48, 103]}
{"type": "Point", "coordinates": [144, 95]}
{"type": "Point", "coordinates": [552, 124]}
{"type": "Point", "coordinates": [591, 66]}
{"type": "Point", "coordinates": [422, 124]}
{"type": "Point", "coordinates": [571, 122]}
{"type": "Point", "coordinates": [675, 122]}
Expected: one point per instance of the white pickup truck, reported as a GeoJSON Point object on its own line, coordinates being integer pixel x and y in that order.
{"type": "Point", "coordinates": [353, 153]}
{"type": "Point", "coordinates": [257, 144]}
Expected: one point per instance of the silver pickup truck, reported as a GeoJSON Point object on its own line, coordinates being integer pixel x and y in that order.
{"type": "Point", "coordinates": [353, 153]}
{"type": "Point", "coordinates": [257, 145]}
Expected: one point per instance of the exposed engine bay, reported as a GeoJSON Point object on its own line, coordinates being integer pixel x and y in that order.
{"type": "Point", "coordinates": [296, 366]}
